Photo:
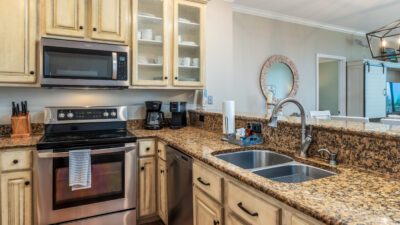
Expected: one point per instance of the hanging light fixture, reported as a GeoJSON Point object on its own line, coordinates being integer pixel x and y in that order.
{"type": "Point", "coordinates": [384, 43]}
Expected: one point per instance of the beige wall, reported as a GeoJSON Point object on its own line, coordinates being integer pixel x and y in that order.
{"type": "Point", "coordinates": [255, 39]}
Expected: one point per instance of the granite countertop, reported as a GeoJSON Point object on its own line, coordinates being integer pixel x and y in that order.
{"type": "Point", "coordinates": [352, 196]}
{"type": "Point", "coordinates": [364, 129]}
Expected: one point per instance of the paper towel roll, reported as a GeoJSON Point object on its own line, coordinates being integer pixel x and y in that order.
{"type": "Point", "coordinates": [228, 117]}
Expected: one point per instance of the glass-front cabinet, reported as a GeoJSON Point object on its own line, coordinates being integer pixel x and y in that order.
{"type": "Point", "coordinates": [151, 63]}
{"type": "Point", "coordinates": [168, 43]}
{"type": "Point", "coordinates": [188, 43]}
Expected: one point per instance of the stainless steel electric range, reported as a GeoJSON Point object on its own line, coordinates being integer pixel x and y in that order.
{"type": "Point", "coordinates": [111, 199]}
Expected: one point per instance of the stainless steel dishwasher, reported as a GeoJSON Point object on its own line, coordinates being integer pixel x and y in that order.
{"type": "Point", "coordinates": [179, 188]}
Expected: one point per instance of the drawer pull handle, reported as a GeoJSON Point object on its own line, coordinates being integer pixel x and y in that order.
{"type": "Point", "coordinates": [202, 182]}
{"type": "Point", "coordinates": [240, 205]}
{"type": "Point", "coordinates": [148, 148]}
{"type": "Point", "coordinates": [27, 183]}
{"type": "Point", "coordinates": [216, 222]}
{"type": "Point", "coordinates": [15, 161]}
{"type": "Point", "coordinates": [94, 29]}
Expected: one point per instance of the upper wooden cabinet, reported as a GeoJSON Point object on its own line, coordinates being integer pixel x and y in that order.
{"type": "Point", "coordinates": [65, 17]}
{"type": "Point", "coordinates": [110, 19]}
{"type": "Point", "coordinates": [106, 20]}
{"type": "Point", "coordinates": [168, 43]}
{"type": "Point", "coordinates": [188, 43]}
{"type": "Point", "coordinates": [18, 37]}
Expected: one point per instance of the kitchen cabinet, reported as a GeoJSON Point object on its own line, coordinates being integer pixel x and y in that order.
{"type": "Point", "coordinates": [110, 20]}
{"type": "Point", "coordinates": [93, 20]}
{"type": "Point", "coordinates": [168, 43]}
{"type": "Point", "coordinates": [208, 181]}
{"type": "Point", "coordinates": [205, 210]}
{"type": "Point", "coordinates": [147, 186]}
{"type": "Point", "coordinates": [147, 147]}
{"type": "Point", "coordinates": [16, 198]}
{"type": "Point", "coordinates": [18, 38]}
{"type": "Point", "coordinates": [65, 17]}
{"type": "Point", "coordinates": [162, 150]}
{"type": "Point", "coordinates": [232, 219]}
{"type": "Point", "coordinates": [162, 191]}
{"type": "Point", "coordinates": [188, 43]}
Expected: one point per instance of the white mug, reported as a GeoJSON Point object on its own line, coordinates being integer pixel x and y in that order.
{"type": "Point", "coordinates": [158, 38]}
{"type": "Point", "coordinates": [186, 61]}
{"type": "Point", "coordinates": [195, 62]}
{"type": "Point", "coordinates": [158, 60]}
{"type": "Point", "coordinates": [147, 34]}
{"type": "Point", "coordinates": [179, 38]}
{"type": "Point", "coordinates": [139, 35]}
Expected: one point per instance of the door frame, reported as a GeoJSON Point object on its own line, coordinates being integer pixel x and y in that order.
{"type": "Point", "coordinates": [342, 81]}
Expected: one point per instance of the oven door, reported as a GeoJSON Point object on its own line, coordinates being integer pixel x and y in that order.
{"type": "Point", "coordinates": [74, 63]}
{"type": "Point", "coordinates": [113, 185]}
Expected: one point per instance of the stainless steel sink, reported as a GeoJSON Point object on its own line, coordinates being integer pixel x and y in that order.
{"type": "Point", "coordinates": [293, 173]}
{"type": "Point", "coordinates": [254, 158]}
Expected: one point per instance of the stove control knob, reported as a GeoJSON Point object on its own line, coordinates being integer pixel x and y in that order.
{"type": "Point", "coordinates": [61, 115]}
{"type": "Point", "coordinates": [113, 114]}
{"type": "Point", "coordinates": [106, 114]}
{"type": "Point", "coordinates": [70, 115]}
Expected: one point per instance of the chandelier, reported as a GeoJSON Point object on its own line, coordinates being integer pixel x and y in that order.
{"type": "Point", "coordinates": [384, 42]}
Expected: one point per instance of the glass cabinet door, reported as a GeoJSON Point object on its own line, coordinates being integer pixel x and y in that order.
{"type": "Point", "coordinates": [188, 53]}
{"type": "Point", "coordinates": [150, 62]}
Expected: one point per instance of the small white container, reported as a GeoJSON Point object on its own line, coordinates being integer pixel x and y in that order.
{"type": "Point", "coordinates": [147, 34]}
{"type": "Point", "coordinates": [195, 62]}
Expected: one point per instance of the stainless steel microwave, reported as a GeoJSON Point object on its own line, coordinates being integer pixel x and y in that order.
{"type": "Point", "coordinates": [67, 63]}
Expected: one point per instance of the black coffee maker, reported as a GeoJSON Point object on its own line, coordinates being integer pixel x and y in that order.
{"type": "Point", "coordinates": [154, 116]}
{"type": "Point", "coordinates": [178, 110]}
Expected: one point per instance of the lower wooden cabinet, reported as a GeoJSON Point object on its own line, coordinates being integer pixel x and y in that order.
{"type": "Point", "coordinates": [205, 210]}
{"type": "Point", "coordinates": [16, 198]}
{"type": "Point", "coordinates": [162, 191]}
{"type": "Point", "coordinates": [232, 219]}
{"type": "Point", "coordinates": [147, 186]}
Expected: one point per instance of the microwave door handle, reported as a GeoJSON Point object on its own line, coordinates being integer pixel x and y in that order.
{"type": "Point", "coordinates": [114, 66]}
{"type": "Point", "coordinates": [93, 152]}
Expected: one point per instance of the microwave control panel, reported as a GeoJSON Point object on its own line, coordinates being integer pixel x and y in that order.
{"type": "Point", "coordinates": [122, 73]}
{"type": "Point", "coordinates": [86, 114]}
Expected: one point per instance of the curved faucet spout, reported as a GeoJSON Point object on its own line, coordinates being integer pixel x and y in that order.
{"type": "Point", "coordinates": [273, 122]}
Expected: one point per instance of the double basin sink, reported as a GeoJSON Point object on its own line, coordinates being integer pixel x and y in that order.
{"type": "Point", "coordinates": [274, 166]}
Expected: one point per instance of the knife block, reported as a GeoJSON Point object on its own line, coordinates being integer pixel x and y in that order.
{"type": "Point", "coordinates": [21, 126]}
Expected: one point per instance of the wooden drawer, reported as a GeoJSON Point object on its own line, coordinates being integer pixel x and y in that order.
{"type": "Point", "coordinates": [250, 206]}
{"type": "Point", "coordinates": [208, 181]}
{"type": "Point", "coordinates": [147, 147]}
{"type": "Point", "coordinates": [162, 150]}
{"type": "Point", "coordinates": [16, 160]}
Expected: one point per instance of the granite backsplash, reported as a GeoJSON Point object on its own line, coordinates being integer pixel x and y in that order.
{"type": "Point", "coordinates": [372, 151]}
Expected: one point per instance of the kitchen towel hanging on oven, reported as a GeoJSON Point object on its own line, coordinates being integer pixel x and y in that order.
{"type": "Point", "coordinates": [80, 174]}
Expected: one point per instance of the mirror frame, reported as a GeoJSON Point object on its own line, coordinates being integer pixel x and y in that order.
{"type": "Point", "coordinates": [267, 65]}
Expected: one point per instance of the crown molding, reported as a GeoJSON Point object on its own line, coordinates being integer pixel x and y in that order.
{"type": "Point", "coordinates": [292, 19]}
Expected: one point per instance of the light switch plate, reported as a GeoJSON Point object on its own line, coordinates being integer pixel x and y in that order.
{"type": "Point", "coordinates": [210, 100]}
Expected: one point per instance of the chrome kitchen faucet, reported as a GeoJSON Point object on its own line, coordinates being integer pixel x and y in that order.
{"type": "Point", "coordinates": [305, 140]}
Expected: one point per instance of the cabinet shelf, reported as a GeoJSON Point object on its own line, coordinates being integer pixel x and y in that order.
{"type": "Point", "coordinates": [150, 65]}
{"type": "Point", "coordinates": [189, 67]}
{"type": "Point", "coordinates": [188, 45]}
{"type": "Point", "coordinates": [148, 17]}
{"type": "Point", "coordinates": [187, 23]}
{"type": "Point", "coordinates": [149, 42]}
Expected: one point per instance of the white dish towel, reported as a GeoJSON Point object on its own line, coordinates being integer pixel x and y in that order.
{"type": "Point", "coordinates": [80, 174]}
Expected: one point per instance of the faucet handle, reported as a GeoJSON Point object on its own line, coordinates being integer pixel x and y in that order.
{"type": "Point", "coordinates": [332, 156]}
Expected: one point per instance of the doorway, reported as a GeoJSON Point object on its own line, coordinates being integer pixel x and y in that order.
{"type": "Point", "coordinates": [331, 84]}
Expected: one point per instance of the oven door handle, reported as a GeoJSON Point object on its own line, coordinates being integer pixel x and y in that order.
{"type": "Point", "coordinates": [51, 154]}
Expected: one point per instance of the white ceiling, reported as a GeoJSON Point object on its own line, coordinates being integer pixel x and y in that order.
{"type": "Point", "coordinates": [349, 15]}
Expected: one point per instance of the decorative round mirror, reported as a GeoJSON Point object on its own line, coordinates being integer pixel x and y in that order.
{"type": "Point", "coordinates": [279, 78]}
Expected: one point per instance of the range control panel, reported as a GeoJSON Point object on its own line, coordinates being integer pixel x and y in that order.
{"type": "Point", "coordinates": [86, 114]}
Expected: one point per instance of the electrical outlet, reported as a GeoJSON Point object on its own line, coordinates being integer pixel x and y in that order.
{"type": "Point", "coordinates": [201, 118]}
{"type": "Point", "coordinates": [256, 127]}
{"type": "Point", "coordinates": [210, 100]}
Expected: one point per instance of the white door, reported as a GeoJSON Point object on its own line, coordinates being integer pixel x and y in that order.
{"type": "Point", "coordinates": [375, 91]}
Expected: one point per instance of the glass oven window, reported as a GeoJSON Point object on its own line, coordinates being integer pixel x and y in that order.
{"type": "Point", "coordinates": [107, 181]}
{"type": "Point", "coordinates": [77, 63]}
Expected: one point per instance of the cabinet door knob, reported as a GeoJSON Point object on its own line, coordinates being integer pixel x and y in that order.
{"type": "Point", "coordinates": [81, 27]}
{"type": "Point", "coordinates": [176, 78]}
{"type": "Point", "coordinates": [32, 72]}
{"type": "Point", "coordinates": [166, 78]}
{"type": "Point", "coordinates": [158, 150]}
{"type": "Point", "coordinates": [148, 148]}
{"type": "Point", "coordinates": [15, 161]}
{"type": "Point", "coordinates": [216, 222]}
{"type": "Point", "coordinates": [27, 183]}
{"type": "Point", "coordinates": [142, 168]}
{"type": "Point", "coordinates": [94, 29]}
{"type": "Point", "coordinates": [162, 171]}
